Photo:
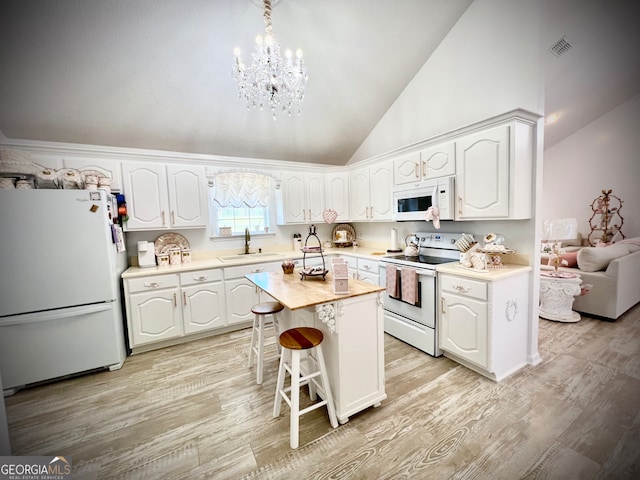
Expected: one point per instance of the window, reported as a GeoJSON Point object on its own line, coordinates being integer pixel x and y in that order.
{"type": "Point", "coordinates": [256, 218]}
{"type": "Point", "coordinates": [240, 200]}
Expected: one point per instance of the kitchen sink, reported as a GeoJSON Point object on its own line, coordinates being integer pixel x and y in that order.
{"type": "Point", "coordinates": [242, 257]}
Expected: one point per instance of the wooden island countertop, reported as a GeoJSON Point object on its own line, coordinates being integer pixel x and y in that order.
{"type": "Point", "coordinates": [294, 293]}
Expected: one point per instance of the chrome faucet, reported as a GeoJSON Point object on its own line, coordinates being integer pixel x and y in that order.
{"type": "Point", "coordinates": [247, 240]}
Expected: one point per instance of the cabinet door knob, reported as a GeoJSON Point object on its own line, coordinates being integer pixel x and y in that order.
{"type": "Point", "coordinates": [162, 213]}
{"type": "Point", "coordinates": [257, 270]}
{"type": "Point", "coordinates": [366, 267]}
{"type": "Point", "coordinates": [416, 170]}
{"type": "Point", "coordinates": [461, 288]}
{"type": "Point", "coordinates": [424, 168]}
{"type": "Point", "coordinates": [173, 217]}
{"type": "Point", "coordinates": [442, 304]}
{"type": "Point", "coordinates": [175, 300]}
{"type": "Point", "coordinates": [152, 284]}
{"type": "Point", "coordinates": [201, 278]}
{"type": "Point", "coordinates": [459, 204]}
{"type": "Point", "coordinates": [184, 298]}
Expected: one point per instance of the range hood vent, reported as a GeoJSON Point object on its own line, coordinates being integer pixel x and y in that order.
{"type": "Point", "coordinates": [560, 47]}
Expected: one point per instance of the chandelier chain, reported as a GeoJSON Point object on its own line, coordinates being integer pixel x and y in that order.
{"type": "Point", "coordinates": [267, 17]}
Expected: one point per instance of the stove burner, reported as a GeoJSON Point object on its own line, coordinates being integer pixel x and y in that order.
{"type": "Point", "coordinates": [426, 259]}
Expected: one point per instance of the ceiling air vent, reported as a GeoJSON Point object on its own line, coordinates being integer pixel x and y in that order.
{"type": "Point", "coordinates": [560, 47]}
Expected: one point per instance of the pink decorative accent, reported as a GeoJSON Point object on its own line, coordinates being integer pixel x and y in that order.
{"type": "Point", "coordinates": [392, 281]}
{"type": "Point", "coordinates": [433, 213]}
{"type": "Point", "coordinates": [329, 215]}
{"type": "Point", "coordinates": [409, 285]}
{"type": "Point", "coordinates": [569, 259]}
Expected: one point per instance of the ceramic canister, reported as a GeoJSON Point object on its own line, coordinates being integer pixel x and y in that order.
{"type": "Point", "coordinates": [7, 183]}
{"type": "Point", "coordinates": [163, 259]}
{"type": "Point", "coordinates": [175, 256]}
{"type": "Point", "coordinates": [105, 184]}
{"type": "Point", "coordinates": [186, 256]}
{"type": "Point", "coordinates": [91, 182]}
{"type": "Point", "coordinates": [24, 184]}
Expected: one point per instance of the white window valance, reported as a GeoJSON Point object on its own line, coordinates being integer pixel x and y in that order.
{"type": "Point", "coordinates": [239, 189]}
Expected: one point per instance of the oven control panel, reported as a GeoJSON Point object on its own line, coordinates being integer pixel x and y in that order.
{"type": "Point", "coordinates": [444, 241]}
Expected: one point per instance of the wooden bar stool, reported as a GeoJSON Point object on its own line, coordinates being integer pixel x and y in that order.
{"type": "Point", "coordinates": [260, 322]}
{"type": "Point", "coordinates": [294, 341]}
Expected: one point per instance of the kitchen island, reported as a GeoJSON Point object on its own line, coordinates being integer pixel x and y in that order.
{"type": "Point", "coordinates": [353, 329]}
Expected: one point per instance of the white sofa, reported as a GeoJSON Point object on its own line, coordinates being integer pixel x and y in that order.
{"type": "Point", "coordinates": [615, 288]}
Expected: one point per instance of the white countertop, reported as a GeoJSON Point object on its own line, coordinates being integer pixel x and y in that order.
{"type": "Point", "coordinates": [215, 262]}
{"type": "Point", "coordinates": [491, 275]}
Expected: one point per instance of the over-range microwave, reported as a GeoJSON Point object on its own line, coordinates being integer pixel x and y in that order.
{"type": "Point", "coordinates": [412, 205]}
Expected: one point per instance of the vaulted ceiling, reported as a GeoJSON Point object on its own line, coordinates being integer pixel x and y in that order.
{"type": "Point", "coordinates": [157, 75]}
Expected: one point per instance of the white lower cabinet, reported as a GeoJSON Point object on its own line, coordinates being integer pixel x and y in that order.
{"type": "Point", "coordinates": [241, 294]}
{"type": "Point", "coordinates": [166, 307]}
{"type": "Point", "coordinates": [353, 349]}
{"type": "Point", "coordinates": [203, 300]}
{"type": "Point", "coordinates": [363, 269]}
{"type": "Point", "coordinates": [483, 324]}
{"type": "Point", "coordinates": [368, 271]}
{"type": "Point", "coordinates": [153, 311]}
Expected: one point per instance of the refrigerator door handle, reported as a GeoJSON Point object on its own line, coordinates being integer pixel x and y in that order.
{"type": "Point", "coordinates": [55, 314]}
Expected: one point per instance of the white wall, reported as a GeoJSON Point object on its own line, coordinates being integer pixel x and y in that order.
{"type": "Point", "coordinates": [489, 63]}
{"type": "Point", "coordinates": [603, 155]}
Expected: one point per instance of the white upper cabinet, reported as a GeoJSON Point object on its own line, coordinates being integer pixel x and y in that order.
{"type": "Point", "coordinates": [410, 169]}
{"type": "Point", "coordinates": [438, 161]}
{"type": "Point", "coordinates": [336, 196]}
{"type": "Point", "coordinates": [162, 197]}
{"type": "Point", "coordinates": [370, 192]}
{"type": "Point", "coordinates": [300, 198]}
{"type": "Point", "coordinates": [493, 173]}
{"type": "Point", "coordinates": [187, 196]}
{"type": "Point", "coordinates": [406, 170]}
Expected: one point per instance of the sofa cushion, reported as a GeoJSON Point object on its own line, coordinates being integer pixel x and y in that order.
{"type": "Point", "coordinates": [593, 259]}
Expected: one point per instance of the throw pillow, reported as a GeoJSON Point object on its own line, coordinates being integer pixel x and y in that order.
{"type": "Point", "coordinates": [593, 259]}
{"type": "Point", "coordinates": [571, 259]}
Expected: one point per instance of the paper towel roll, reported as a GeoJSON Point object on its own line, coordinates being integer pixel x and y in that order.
{"type": "Point", "coordinates": [47, 178]}
{"type": "Point", "coordinates": [394, 239]}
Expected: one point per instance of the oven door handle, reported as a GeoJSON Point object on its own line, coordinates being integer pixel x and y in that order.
{"type": "Point", "coordinates": [427, 273]}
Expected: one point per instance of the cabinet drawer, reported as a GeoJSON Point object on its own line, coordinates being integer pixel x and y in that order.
{"type": "Point", "coordinates": [365, 265]}
{"type": "Point", "coordinates": [156, 282]}
{"type": "Point", "coordinates": [351, 261]}
{"type": "Point", "coordinates": [464, 286]}
{"type": "Point", "coordinates": [242, 270]}
{"type": "Point", "coordinates": [200, 276]}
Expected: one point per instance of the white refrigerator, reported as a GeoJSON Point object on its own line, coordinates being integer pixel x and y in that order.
{"type": "Point", "coordinates": [60, 295]}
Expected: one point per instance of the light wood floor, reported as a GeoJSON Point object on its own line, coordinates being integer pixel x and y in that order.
{"type": "Point", "coordinates": [194, 411]}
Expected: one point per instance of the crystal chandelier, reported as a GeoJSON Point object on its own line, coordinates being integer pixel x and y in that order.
{"type": "Point", "coordinates": [271, 81]}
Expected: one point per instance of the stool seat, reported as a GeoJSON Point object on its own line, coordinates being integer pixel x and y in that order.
{"type": "Point", "coordinates": [267, 308]}
{"type": "Point", "coordinates": [261, 311]}
{"type": "Point", "coordinates": [313, 373]}
{"type": "Point", "coordinates": [301, 338]}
